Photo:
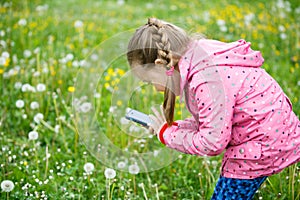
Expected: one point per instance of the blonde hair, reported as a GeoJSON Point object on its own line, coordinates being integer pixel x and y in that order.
{"type": "Point", "coordinates": [159, 42]}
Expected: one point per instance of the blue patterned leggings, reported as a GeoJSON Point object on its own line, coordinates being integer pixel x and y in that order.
{"type": "Point", "coordinates": [237, 189]}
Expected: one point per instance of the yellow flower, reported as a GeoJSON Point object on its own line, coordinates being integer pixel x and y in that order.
{"type": "Point", "coordinates": [106, 85]}
{"type": "Point", "coordinates": [110, 71]}
{"type": "Point", "coordinates": [7, 61]}
{"type": "Point", "coordinates": [119, 103]}
{"type": "Point", "coordinates": [1, 71]}
{"type": "Point", "coordinates": [121, 72]}
{"type": "Point", "coordinates": [71, 89]}
{"type": "Point", "coordinates": [60, 82]}
{"type": "Point", "coordinates": [25, 163]}
{"type": "Point", "coordinates": [107, 78]}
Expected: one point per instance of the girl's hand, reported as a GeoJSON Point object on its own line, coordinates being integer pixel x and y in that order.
{"type": "Point", "coordinates": [158, 120]}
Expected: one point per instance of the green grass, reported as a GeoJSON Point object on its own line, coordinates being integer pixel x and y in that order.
{"type": "Point", "coordinates": [50, 36]}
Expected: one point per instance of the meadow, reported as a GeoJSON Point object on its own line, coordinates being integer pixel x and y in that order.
{"type": "Point", "coordinates": [63, 70]}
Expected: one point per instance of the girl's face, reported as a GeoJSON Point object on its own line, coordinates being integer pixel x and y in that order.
{"type": "Point", "coordinates": [156, 75]}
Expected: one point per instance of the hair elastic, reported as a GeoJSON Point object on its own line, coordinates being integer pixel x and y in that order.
{"type": "Point", "coordinates": [170, 71]}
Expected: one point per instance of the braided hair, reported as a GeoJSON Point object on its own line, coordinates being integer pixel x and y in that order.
{"type": "Point", "coordinates": [159, 42]}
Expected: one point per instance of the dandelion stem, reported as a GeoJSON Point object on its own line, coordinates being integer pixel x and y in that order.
{"type": "Point", "coordinates": [156, 190]}
{"type": "Point", "coordinates": [46, 168]}
{"type": "Point", "coordinates": [144, 192]}
{"type": "Point", "coordinates": [134, 185]}
{"type": "Point", "coordinates": [108, 188]}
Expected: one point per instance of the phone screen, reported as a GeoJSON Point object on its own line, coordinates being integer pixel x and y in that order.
{"type": "Point", "coordinates": [138, 117]}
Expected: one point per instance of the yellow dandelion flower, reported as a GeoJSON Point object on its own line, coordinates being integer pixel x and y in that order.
{"type": "Point", "coordinates": [121, 72]}
{"type": "Point", "coordinates": [297, 65]}
{"type": "Point", "coordinates": [292, 70]}
{"type": "Point", "coordinates": [32, 25]}
{"type": "Point", "coordinates": [107, 78]}
{"type": "Point", "coordinates": [71, 89]}
{"type": "Point", "coordinates": [179, 112]}
{"type": "Point", "coordinates": [71, 46]}
{"type": "Point", "coordinates": [7, 61]}
{"type": "Point", "coordinates": [25, 163]}
{"type": "Point", "coordinates": [69, 64]}
{"type": "Point", "coordinates": [243, 35]}
{"type": "Point", "coordinates": [59, 82]}
{"type": "Point", "coordinates": [106, 85]}
{"type": "Point", "coordinates": [119, 103]}
{"type": "Point", "coordinates": [1, 71]}
{"type": "Point", "coordinates": [110, 71]}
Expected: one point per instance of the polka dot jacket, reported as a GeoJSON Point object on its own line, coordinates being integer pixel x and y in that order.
{"type": "Point", "coordinates": [236, 107]}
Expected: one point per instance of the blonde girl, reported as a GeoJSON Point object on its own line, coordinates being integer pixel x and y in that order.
{"type": "Point", "coordinates": [236, 106]}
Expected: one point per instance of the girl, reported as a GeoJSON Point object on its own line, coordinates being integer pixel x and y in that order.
{"type": "Point", "coordinates": [236, 106]}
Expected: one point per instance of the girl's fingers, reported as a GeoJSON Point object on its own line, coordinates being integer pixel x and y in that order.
{"type": "Point", "coordinates": [158, 115]}
{"type": "Point", "coordinates": [151, 130]}
{"type": "Point", "coordinates": [162, 113]}
{"type": "Point", "coordinates": [155, 121]}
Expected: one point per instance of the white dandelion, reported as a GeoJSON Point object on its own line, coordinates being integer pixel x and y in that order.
{"type": "Point", "coordinates": [85, 107]}
{"type": "Point", "coordinates": [41, 87]}
{"type": "Point", "coordinates": [33, 135]}
{"type": "Point", "coordinates": [27, 53]}
{"type": "Point", "coordinates": [20, 103]}
{"type": "Point", "coordinates": [28, 88]}
{"type": "Point", "coordinates": [38, 117]}
{"type": "Point", "coordinates": [88, 167]}
{"type": "Point", "coordinates": [121, 165]}
{"type": "Point", "coordinates": [134, 169]}
{"type": "Point", "coordinates": [34, 105]}
{"type": "Point", "coordinates": [5, 54]}
{"type": "Point", "coordinates": [18, 85]}
{"type": "Point", "coordinates": [78, 24]}
{"type": "Point", "coordinates": [109, 173]}
{"type": "Point", "coordinates": [22, 22]}
{"type": "Point", "coordinates": [7, 186]}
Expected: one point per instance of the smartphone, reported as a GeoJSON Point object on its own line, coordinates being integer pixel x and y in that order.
{"type": "Point", "coordinates": [138, 117]}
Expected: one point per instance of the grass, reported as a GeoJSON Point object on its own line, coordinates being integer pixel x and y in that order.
{"type": "Point", "coordinates": [47, 45]}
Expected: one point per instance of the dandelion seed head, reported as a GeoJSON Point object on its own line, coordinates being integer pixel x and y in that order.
{"type": "Point", "coordinates": [78, 24]}
{"type": "Point", "coordinates": [41, 87]}
{"type": "Point", "coordinates": [22, 22]}
{"type": "Point", "coordinates": [134, 169]}
{"type": "Point", "coordinates": [34, 105]}
{"type": "Point", "coordinates": [121, 165]}
{"type": "Point", "coordinates": [85, 107]}
{"type": "Point", "coordinates": [33, 135]}
{"type": "Point", "coordinates": [7, 186]}
{"type": "Point", "coordinates": [38, 117]}
{"type": "Point", "coordinates": [110, 173]}
{"type": "Point", "coordinates": [20, 103]}
{"type": "Point", "coordinates": [27, 53]}
{"type": "Point", "coordinates": [88, 167]}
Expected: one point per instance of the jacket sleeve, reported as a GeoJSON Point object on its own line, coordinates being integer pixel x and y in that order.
{"type": "Point", "coordinates": [213, 132]}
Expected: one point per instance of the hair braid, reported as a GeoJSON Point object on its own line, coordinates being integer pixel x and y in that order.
{"type": "Point", "coordinates": [165, 57]}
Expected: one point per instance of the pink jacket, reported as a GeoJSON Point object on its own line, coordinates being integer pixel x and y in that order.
{"type": "Point", "coordinates": [236, 106]}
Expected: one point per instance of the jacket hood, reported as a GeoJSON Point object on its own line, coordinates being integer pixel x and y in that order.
{"type": "Point", "coordinates": [212, 53]}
